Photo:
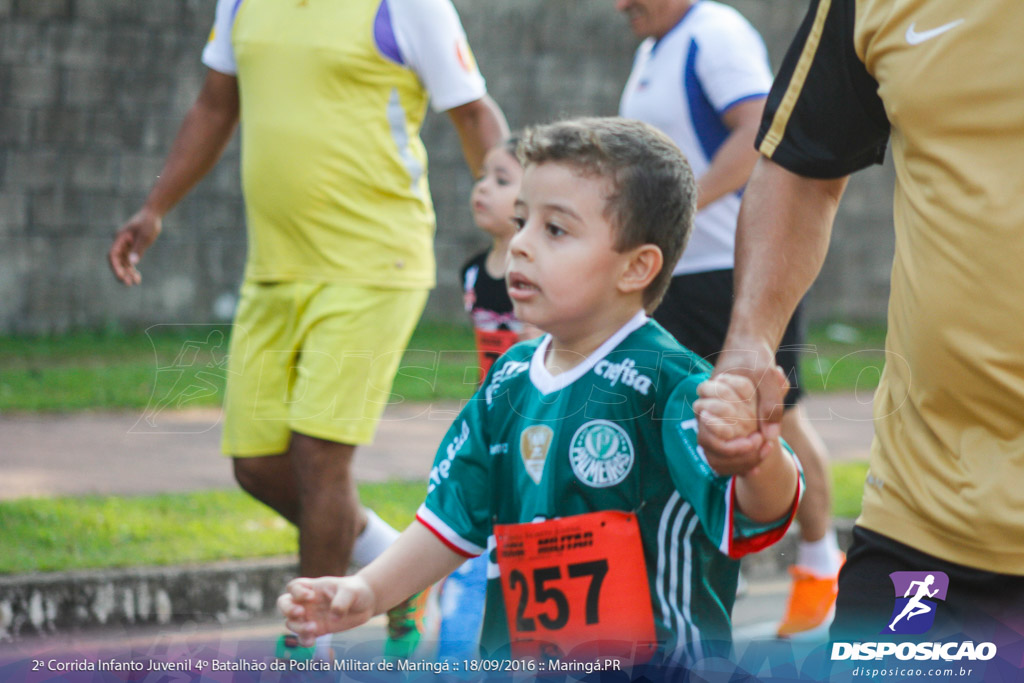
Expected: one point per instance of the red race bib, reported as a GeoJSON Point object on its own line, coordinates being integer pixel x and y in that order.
{"type": "Point", "coordinates": [490, 344]}
{"type": "Point", "coordinates": [576, 588]}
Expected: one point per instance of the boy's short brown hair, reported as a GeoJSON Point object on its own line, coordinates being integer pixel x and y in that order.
{"type": "Point", "coordinates": [654, 193]}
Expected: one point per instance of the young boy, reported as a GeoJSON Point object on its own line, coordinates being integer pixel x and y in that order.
{"type": "Point", "coordinates": [576, 466]}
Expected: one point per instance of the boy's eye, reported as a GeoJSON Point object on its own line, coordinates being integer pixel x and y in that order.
{"type": "Point", "coordinates": [554, 230]}
{"type": "Point", "coordinates": [502, 182]}
{"type": "Point", "coordinates": [518, 222]}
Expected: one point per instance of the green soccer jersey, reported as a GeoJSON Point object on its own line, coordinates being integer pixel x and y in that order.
{"type": "Point", "coordinates": [616, 432]}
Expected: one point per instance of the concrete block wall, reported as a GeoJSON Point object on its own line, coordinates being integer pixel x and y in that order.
{"type": "Point", "coordinates": [92, 93]}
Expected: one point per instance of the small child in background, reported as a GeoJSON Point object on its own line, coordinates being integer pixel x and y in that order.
{"type": "Point", "coordinates": [496, 329]}
{"type": "Point", "coordinates": [483, 276]}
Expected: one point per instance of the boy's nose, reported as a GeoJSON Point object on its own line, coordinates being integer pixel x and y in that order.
{"type": "Point", "coordinates": [519, 244]}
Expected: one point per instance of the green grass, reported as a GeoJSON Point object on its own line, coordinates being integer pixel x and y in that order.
{"type": "Point", "coordinates": [60, 534]}
{"type": "Point", "coordinates": [184, 367]}
{"type": "Point", "coordinates": [847, 488]}
{"type": "Point", "coordinates": [440, 363]}
{"type": "Point", "coordinates": [843, 358]}
{"type": "Point", "coordinates": [176, 366]}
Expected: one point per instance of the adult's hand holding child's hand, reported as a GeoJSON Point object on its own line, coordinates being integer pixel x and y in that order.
{"type": "Point", "coordinates": [730, 429]}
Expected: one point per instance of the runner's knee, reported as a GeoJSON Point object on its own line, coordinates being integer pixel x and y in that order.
{"type": "Point", "coordinates": [254, 477]}
{"type": "Point", "coordinates": [319, 463]}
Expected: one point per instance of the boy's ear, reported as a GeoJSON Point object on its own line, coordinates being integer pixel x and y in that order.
{"type": "Point", "coordinates": [644, 264]}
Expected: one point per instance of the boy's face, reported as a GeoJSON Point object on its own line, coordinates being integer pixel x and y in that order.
{"type": "Point", "coordinates": [563, 267]}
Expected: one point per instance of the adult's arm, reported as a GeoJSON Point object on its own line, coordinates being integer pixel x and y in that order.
{"type": "Point", "coordinates": [732, 163]}
{"type": "Point", "coordinates": [204, 133]}
{"type": "Point", "coordinates": [481, 125]}
{"type": "Point", "coordinates": [782, 237]}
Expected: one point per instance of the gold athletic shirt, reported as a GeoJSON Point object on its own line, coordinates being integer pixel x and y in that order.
{"type": "Point", "coordinates": [947, 463]}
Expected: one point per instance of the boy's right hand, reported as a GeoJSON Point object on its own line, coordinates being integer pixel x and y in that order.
{"type": "Point", "coordinates": [315, 607]}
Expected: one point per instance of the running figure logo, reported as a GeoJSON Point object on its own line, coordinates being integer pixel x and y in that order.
{"type": "Point", "coordinates": [914, 612]}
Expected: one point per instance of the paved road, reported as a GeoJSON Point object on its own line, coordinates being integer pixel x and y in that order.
{"type": "Point", "coordinates": [754, 617]}
{"type": "Point", "coordinates": [126, 453]}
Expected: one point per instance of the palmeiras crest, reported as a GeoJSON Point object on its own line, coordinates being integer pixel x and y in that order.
{"type": "Point", "coordinates": [601, 453]}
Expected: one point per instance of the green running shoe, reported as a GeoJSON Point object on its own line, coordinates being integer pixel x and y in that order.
{"type": "Point", "coordinates": [288, 648]}
{"type": "Point", "coordinates": [405, 625]}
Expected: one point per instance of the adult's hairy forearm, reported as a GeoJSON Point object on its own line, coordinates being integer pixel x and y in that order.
{"type": "Point", "coordinates": [783, 234]}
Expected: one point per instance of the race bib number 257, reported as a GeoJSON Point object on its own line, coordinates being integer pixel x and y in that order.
{"type": "Point", "coordinates": [576, 587]}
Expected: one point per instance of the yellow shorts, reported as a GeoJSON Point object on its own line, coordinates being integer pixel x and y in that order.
{"type": "Point", "coordinates": [313, 358]}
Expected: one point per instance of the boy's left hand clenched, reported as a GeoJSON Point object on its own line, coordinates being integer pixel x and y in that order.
{"type": "Point", "coordinates": [727, 419]}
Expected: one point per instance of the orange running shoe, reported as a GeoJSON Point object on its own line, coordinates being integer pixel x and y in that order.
{"type": "Point", "coordinates": [811, 602]}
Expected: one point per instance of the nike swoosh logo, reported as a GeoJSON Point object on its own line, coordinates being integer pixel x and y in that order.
{"type": "Point", "coordinates": [915, 38]}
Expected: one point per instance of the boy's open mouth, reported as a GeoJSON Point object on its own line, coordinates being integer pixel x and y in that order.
{"type": "Point", "coordinates": [519, 285]}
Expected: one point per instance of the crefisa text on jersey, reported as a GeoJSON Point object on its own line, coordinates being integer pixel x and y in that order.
{"type": "Point", "coordinates": [624, 372]}
{"type": "Point", "coordinates": [440, 470]}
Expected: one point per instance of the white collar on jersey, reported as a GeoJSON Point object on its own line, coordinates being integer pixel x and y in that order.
{"type": "Point", "coordinates": [547, 383]}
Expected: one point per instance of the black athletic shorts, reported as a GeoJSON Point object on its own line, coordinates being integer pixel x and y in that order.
{"type": "Point", "coordinates": [975, 603]}
{"type": "Point", "coordinates": [696, 311]}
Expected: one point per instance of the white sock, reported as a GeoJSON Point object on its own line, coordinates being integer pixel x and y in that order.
{"type": "Point", "coordinates": [377, 536]}
{"type": "Point", "coordinates": [323, 647]}
{"type": "Point", "coordinates": [821, 556]}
